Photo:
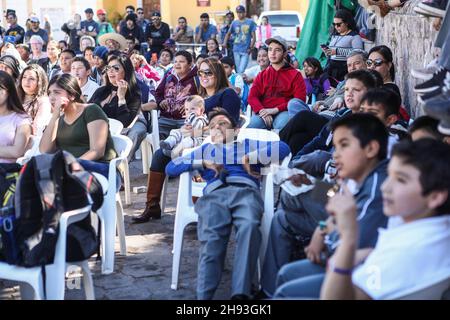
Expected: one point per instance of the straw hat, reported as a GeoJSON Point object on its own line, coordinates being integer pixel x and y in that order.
{"type": "Point", "coordinates": [113, 36]}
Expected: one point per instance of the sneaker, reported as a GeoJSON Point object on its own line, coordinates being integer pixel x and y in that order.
{"type": "Point", "coordinates": [434, 83]}
{"type": "Point", "coordinates": [427, 72]}
{"type": "Point", "coordinates": [436, 7]}
{"type": "Point", "coordinates": [439, 108]}
{"type": "Point", "coordinates": [429, 95]}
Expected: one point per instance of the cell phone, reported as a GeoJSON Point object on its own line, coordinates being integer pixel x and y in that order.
{"type": "Point", "coordinates": [320, 190]}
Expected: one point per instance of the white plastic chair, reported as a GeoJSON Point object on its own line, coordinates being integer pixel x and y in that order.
{"type": "Point", "coordinates": [433, 292]}
{"type": "Point", "coordinates": [151, 143]}
{"type": "Point", "coordinates": [244, 120]}
{"type": "Point", "coordinates": [115, 126]}
{"type": "Point", "coordinates": [111, 212]}
{"type": "Point", "coordinates": [185, 213]}
{"type": "Point", "coordinates": [31, 278]}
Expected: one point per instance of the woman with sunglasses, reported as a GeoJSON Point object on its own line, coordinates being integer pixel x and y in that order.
{"type": "Point", "coordinates": [216, 89]}
{"type": "Point", "coordinates": [176, 86]}
{"type": "Point", "coordinates": [381, 60]}
{"type": "Point", "coordinates": [344, 39]}
{"type": "Point", "coordinates": [120, 97]}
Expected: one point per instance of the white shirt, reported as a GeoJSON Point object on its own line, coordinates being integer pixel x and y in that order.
{"type": "Point", "coordinates": [407, 258]}
{"type": "Point", "coordinates": [88, 89]}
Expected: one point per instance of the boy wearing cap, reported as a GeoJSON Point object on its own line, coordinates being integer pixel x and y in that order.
{"type": "Point", "coordinates": [243, 31]}
{"type": "Point", "coordinates": [103, 25]}
{"type": "Point", "coordinates": [156, 34]}
{"type": "Point", "coordinates": [100, 60]}
{"type": "Point", "coordinates": [89, 27]}
{"type": "Point", "coordinates": [35, 30]}
{"type": "Point", "coordinates": [14, 29]}
{"type": "Point", "coordinates": [276, 88]}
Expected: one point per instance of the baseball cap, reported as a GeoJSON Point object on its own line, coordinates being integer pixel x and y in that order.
{"type": "Point", "coordinates": [10, 12]}
{"type": "Point", "coordinates": [240, 9]}
{"type": "Point", "coordinates": [101, 11]}
{"type": "Point", "coordinates": [10, 39]}
{"type": "Point", "coordinates": [278, 40]}
{"type": "Point", "coordinates": [101, 52]}
{"type": "Point", "coordinates": [156, 14]}
{"type": "Point", "coordinates": [34, 19]}
{"type": "Point", "coordinates": [89, 10]}
{"type": "Point", "coordinates": [169, 42]}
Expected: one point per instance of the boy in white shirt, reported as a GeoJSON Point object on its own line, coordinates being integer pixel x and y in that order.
{"type": "Point", "coordinates": [412, 255]}
{"type": "Point", "coordinates": [81, 69]}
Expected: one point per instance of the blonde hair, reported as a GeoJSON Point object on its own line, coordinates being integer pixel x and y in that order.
{"type": "Point", "coordinates": [196, 101]}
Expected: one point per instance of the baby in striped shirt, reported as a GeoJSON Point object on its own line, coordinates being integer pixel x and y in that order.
{"type": "Point", "coordinates": [192, 133]}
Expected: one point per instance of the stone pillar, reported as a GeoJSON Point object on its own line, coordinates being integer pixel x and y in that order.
{"type": "Point", "coordinates": [411, 38]}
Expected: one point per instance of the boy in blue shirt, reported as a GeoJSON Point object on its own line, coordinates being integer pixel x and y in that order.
{"type": "Point", "coordinates": [231, 197]}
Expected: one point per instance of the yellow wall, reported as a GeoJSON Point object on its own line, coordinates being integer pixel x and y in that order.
{"type": "Point", "coordinates": [115, 7]}
{"type": "Point", "coordinates": [172, 9]}
{"type": "Point", "coordinates": [297, 5]}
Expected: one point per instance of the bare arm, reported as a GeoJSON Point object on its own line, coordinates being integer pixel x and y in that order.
{"type": "Point", "coordinates": [48, 140]}
{"type": "Point", "coordinates": [149, 106]}
{"type": "Point", "coordinates": [21, 139]}
{"type": "Point", "coordinates": [98, 134]}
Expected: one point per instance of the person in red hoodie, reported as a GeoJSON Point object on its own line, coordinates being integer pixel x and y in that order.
{"type": "Point", "coordinates": [276, 89]}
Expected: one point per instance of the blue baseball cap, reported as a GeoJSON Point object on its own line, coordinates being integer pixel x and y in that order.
{"type": "Point", "coordinates": [9, 39]}
{"type": "Point", "coordinates": [101, 52]}
{"type": "Point", "coordinates": [240, 9]}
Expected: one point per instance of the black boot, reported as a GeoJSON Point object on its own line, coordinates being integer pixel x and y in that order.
{"type": "Point", "coordinates": [152, 212]}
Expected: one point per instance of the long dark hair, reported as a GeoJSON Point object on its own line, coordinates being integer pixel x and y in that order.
{"type": "Point", "coordinates": [68, 83]}
{"type": "Point", "coordinates": [130, 76]}
{"type": "Point", "coordinates": [42, 83]}
{"type": "Point", "coordinates": [219, 72]}
{"type": "Point", "coordinates": [7, 83]}
{"type": "Point", "coordinates": [386, 52]}
{"type": "Point", "coordinates": [346, 16]}
{"type": "Point", "coordinates": [314, 63]}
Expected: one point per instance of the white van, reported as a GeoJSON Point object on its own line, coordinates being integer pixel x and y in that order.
{"type": "Point", "coordinates": [286, 24]}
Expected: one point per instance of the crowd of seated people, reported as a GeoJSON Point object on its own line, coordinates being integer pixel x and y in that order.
{"type": "Point", "coordinates": [364, 178]}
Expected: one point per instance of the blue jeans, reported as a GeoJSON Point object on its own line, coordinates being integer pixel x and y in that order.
{"type": "Point", "coordinates": [279, 121]}
{"type": "Point", "coordinates": [102, 168]}
{"type": "Point", "coordinates": [241, 61]}
{"type": "Point", "coordinates": [300, 279]}
{"type": "Point", "coordinates": [295, 106]}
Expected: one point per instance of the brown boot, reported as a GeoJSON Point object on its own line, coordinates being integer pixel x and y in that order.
{"type": "Point", "coordinates": [154, 188]}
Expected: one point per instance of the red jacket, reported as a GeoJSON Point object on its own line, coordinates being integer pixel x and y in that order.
{"type": "Point", "coordinates": [274, 89]}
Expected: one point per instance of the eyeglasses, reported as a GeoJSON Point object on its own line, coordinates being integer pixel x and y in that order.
{"type": "Point", "coordinates": [375, 63]}
{"type": "Point", "coordinates": [140, 12]}
{"type": "Point", "coordinates": [110, 68]}
{"type": "Point", "coordinates": [205, 73]}
{"type": "Point", "coordinates": [337, 24]}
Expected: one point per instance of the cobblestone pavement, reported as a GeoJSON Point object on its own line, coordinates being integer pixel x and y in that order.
{"type": "Point", "coordinates": [145, 273]}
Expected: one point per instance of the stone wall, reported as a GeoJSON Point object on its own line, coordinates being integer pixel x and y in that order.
{"type": "Point", "coordinates": [411, 39]}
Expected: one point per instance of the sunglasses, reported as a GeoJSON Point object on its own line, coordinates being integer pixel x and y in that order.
{"type": "Point", "coordinates": [376, 62]}
{"type": "Point", "coordinates": [140, 12]}
{"type": "Point", "coordinates": [205, 73]}
{"type": "Point", "coordinates": [337, 24]}
{"type": "Point", "coordinates": [115, 68]}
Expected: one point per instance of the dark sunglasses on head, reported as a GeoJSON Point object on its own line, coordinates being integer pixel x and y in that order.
{"type": "Point", "coordinates": [205, 73]}
{"type": "Point", "coordinates": [376, 62]}
{"type": "Point", "coordinates": [337, 24]}
{"type": "Point", "coordinates": [116, 68]}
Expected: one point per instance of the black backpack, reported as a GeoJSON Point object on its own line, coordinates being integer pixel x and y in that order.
{"type": "Point", "coordinates": [46, 188]}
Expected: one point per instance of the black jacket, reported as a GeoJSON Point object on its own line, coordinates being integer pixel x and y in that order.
{"type": "Point", "coordinates": [158, 36]}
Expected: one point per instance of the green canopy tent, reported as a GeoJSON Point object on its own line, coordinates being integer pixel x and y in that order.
{"type": "Point", "coordinates": [316, 28]}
